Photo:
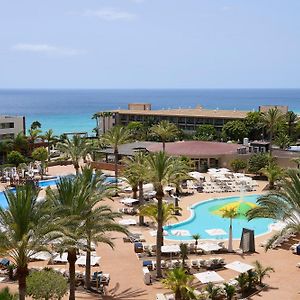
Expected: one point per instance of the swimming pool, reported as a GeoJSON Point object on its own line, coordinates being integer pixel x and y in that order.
{"type": "Point", "coordinates": [205, 216]}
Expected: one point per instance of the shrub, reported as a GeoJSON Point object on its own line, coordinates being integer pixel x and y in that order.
{"type": "Point", "coordinates": [205, 133]}
{"type": "Point", "coordinates": [257, 162]}
{"type": "Point", "coordinates": [15, 158]}
{"type": "Point", "coordinates": [238, 164]}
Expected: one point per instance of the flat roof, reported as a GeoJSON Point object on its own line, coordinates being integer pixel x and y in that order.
{"type": "Point", "coordinates": [197, 148]}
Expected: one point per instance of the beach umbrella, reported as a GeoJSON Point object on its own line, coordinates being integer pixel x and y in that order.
{"type": "Point", "coordinates": [209, 276]}
{"type": "Point", "coordinates": [239, 266]}
{"type": "Point", "coordinates": [181, 232]}
{"type": "Point", "coordinates": [215, 231]}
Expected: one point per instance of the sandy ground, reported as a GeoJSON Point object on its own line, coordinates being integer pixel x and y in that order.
{"type": "Point", "coordinates": [126, 269]}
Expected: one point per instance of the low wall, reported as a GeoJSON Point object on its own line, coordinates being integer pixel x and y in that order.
{"type": "Point", "coordinates": [105, 166]}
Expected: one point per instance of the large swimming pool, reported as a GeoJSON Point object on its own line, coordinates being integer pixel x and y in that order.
{"type": "Point", "coordinates": [206, 215]}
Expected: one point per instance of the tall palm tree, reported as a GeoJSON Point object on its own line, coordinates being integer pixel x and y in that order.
{"type": "Point", "coordinates": [20, 143]}
{"type": "Point", "coordinates": [273, 172]}
{"type": "Point", "coordinates": [97, 219]}
{"type": "Point", "coordinates": [230, 213]}
{"type": "Point", "coordinates": [271, 121]}
{"type": "Point", "coordinates": [115, 137]}
{"type": "Point", "coordinates": [136, 174]}
{"type": "Point", "coordinates": [196, 237]}
{"type": "Point", "coordinates": [261, 271]}
{"type": "Point", "coordinates": [160, 166]}
{"type": "Point", "coordinates": [51, 139]}
{"type": "Point", "coordinates": [282, 205]}
{"type": "Point", "coordinates": [96, 117]}
{"type": "Point", "coordinates": [165, 131]}
{"type": "Point", "coordinates": [291, 119]}
{"type": "Point", "coordinates": [76, 148]}
{"type": "Point", "coordinates": [27, 229]}
{"type": "Point", "coordinates": [180, 283]}
{"type": "Point", "coordinates": [5, 294]}
{"type": "Point", "coordinates": [33, 135]}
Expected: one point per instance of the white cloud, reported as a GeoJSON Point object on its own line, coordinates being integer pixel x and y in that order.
{"type": "Point", "coordinates": [46, 49]}
{"type": "Point", "coordinates": [110, 14]}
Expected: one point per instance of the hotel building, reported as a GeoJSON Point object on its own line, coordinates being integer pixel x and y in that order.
{"type": "Point", "coordinates": [11, 126]}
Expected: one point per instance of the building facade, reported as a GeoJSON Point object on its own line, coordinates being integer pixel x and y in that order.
{"type": "Point", "coordinates": [185, 119]}
{"type": "Point", "coordinates": [11, 126]}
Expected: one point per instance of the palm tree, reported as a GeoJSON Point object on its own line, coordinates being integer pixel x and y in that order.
{"type": "Point", "coordinates": [115, 137]}
{"type": "Point", "coordinates": [136, 174]}
{"type": "Point", "coordinates": [160, 166]}
{"type": "Point", "coordinates": [77, 148]}
{"type": "Point", "coordinates": [5, 294]}
{"type": "Point", "coordinates": [27, 229]}
{"type": "Point", "coordinates": [51, 139]}
{"type": "Point", "coordinates": [271, 121]}
{"type": "Point", "coordinates": [229, 290]}
{"type": "Point", "coordinates": [282, 205]}
{"type": "Point", "coordinates": [165, 131]}
{"type": "Point", "coordinates": [213, 291]}
{"type": "Point", "coordinates": [196, 237]}
{"type": "Point", "coordinates": [273, 172]}
{"type": "Point", "coordinates": [34, 134]}
{"type": "Point", "coordinates": [291, 119]}
{"type": "Point", "coordinates": [296, 161]}
{"type": "Point", "coordinates": [180, 283]}
{"type": "Point", "coordinates": [283, 140]}
{"type": "Point", "coordinates": [96, 117]}
{"type": "Point", "coordinates": [20, 143]}
{"type": "Point", "coordinates": [98, 219]}
{"type": "Point", "coordinates": [230, 213]}
{"type": "Point", "coordinates": [183, 252]}
{"type": "Point", "coordinates": [262, 271]}
{"type": "Point", "coordinates": [242, 280]}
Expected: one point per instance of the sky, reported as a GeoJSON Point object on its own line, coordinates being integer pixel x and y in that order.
{"type": "Point", "coordinates": [149, 44]}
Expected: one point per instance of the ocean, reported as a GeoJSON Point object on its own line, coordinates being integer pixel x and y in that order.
{"type": "Point", "coordinates": [71, 110]}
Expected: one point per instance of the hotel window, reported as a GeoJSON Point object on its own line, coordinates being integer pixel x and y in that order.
{"type": "Point", "coordinates": [181, 120]}
{"type": "Point", "coordinates": [199, 121]}
{"type": "Point", "coordinates": [219, 122]}
{"type": "Point", "coordinates": [190, 120]}
{"type": "Point", "coordinates": [7, 125]}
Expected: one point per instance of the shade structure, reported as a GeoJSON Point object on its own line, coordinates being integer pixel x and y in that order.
{"type": "Point", "coordinates": [81, 261]}
{"type": "Point", "coordinates": [181, 232]}
{"type": "Point", "coordinates": [129, 201]}
{"type": "Point", "coordinates": [208, 247]}
{"type": "Point", "coordinates": [127, 222]}
{"type": "Point", "coordinates": [239, 266]}
{"type": "Point", "coordinates": [154, 233]}
{"type": "Point", "coordinates": [61, 258]}
{"type": "Point", "coordinates": [215, 231]}
{"type": "Point", "coordinates": [209, 276]}
{"type": "Point", "coordinates": [170, 249]}
{"type": "Point", "coordinates": [196, 175]}
{"type": "Point", "coordinates": [42, 255]}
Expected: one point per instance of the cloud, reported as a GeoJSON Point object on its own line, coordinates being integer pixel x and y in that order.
{"type": "Point", "coordinates": [46, 49]}
{"type": "Point", "coordinates": [110, 14]}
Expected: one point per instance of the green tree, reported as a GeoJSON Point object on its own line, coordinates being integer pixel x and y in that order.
{"type": "Point", "coordinates": [35, 125]}
{"type": "Point", "coordinates": [183, 253]}
{"type": "Point", "coordinates": [274, 174]}
{"type": "Point", "coordinates": [271, 120]}
{"type": "Point", "coordinates": [282, 140]}
{"type": "Point", "coordinates": [235, 130]}
{"type": "Point", "coordinates": [213, 291]}
{"type": "Point", "coordinates": [180, 284]}
{"type": "Point", "coordinates": [5, 294]}
{"type": "Point", "coordinates": [238, 164]}
{"type": "Point", "coordinates": [281, 205]}
{"type": "Point", "coordinates": [28, 229]}
{"type": "Point", "coordinates": [33, 135]}
{"type": "Point", "coordinates": [41, 154]}
{"type": "Point", "coordinates": [205, 133]}
{"type": "Point", "coordinates": [46, 284]}
{"type": "Point", "coordinates": [76, 148]}
{"type": "Point", "coordinates": [253, 122]}
{"type": "Point", "coordinates": [230, 213]}
{"type": "Point", "coordinates": [196, 237]}
{"type": "Point", "coordinates": [291, 120]}
{"type": "Point", "coordinates": [262, 271]}
{"type": "Point", "coordinates": [115, 137]}
{"type": "Point", "coordinates": [160, 168]}
{"type": "Point", "coordinates": [136, 130]}
{"type": "Point", "coordinates": [15, 158]}
{"type": "Point", "coordinates": [51, 140]}
{"type": "Point", "coordinates": [229, 290]}
{"type": "Point", "coordinates": [242, 280]}
{"type": "Point", "coordinates": [165, 131]}
{"type": "Point", "coordinates": [257, 162]}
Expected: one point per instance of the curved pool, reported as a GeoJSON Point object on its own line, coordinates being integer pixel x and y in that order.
{"type": "Point", "coordinates": [205, 216]}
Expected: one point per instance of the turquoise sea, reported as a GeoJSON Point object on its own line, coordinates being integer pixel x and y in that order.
{"type": "Point", "coordinates": [71, 110]}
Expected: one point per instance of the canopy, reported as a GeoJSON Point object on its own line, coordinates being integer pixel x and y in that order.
{"type": "Point", "coordinates": [42, 255]}
{"type": "Point", "coordinates": [129, 200]}
{"type": "Point", "coordinates": [239, 266]}
{"type": "Point", "coordinates": [196, 175]}
{"type": "Point", "coordinates": [127, 222]}
{"type": "Point", "coordinates": [209, 276]}
{"type": "Point", "coordinates": [209, 247]}
{"type": "Point", "coordinates": [170, 249]}
{"type": "Point", "coordinates": [215, 231]}
{"type": "Point", "coordinates": [181, 232]}
{"type": "Point", "coordinates": [81, 261]}
{"type": "Point", "coordinates": [61, 258]}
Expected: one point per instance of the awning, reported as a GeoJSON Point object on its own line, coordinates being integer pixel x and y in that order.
{"type": "Point", "coordinates": [209, 276]}
{"type": "Point", "coordinates": [239, 266]}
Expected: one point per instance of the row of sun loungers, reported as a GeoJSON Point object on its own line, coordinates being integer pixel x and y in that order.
{"type": "Point", "coordinates": [280, 240]}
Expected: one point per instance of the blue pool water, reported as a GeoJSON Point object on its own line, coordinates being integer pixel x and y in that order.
{"type": "Point", "coordinates": [203, 219]}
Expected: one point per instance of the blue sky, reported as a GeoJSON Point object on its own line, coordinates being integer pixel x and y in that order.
{"type": "Point", "coordinates": [149, 44]}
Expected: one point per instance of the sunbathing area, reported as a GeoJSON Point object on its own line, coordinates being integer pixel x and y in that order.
{"type": "Point", "coordinates": [208, 261]}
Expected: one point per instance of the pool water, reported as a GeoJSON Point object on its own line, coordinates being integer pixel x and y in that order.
{"type": "Point", "coordinates": [203, 218]}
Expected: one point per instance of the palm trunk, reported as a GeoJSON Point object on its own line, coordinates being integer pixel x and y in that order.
{"type": "Point", "coordinates": [88, 265]}
{"type": "Point", "coordinates": [271, 138]}
{"type": "Point", "coordinates": [116, 166]}
{"type": "Point", "coordinates": [72, 257]}
{"type": "Point", "coordinates": [22, 273]}
{"type": "Point", "coordinates": [159, 235]}
{"type": "Point", "coordinates": [178, 295]}
{"type": "Point", "coordinates": [176, 205]}
{"type": "Point", "coordinates": [141, 202]}
{"type": "Point", "coordinates": [164, 146]}
{"type": "Point", "coordinates": [76, 166]}
{"type": "Point", "coordinates": [134, 192]}
{"type": "Point", "coordinates": [230, 237]}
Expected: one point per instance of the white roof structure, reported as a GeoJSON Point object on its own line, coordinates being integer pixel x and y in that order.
{"type": "Point", "coordinates": [239, 266]}
{"type": "Point", "coordinates": [215, 231]}
{"type": "Point", "coordinates": [170, 249]}
{"type": "Point", "coordinates": [81, 261]}
{"type": "Point", "coordinates": [148, 187]}
{"type": "Point", "coordinates": [129, 200]}
{"type": "Point", "coordinates": [154, 233]}
{"type": "Point", "coordinates": [209, 276]}
{"type": "Point", "coordinates": [42, 255]}
{"type": "Point", "coordinates": [127, 222]}
{"type": "Point", "coordinates": [196, 175]}
{"type": "Point", "coordinates": [181, 232]}
{"type": "Point", "coordinates": [61, 258]}
{"type": "Point", "coordinates": [209, 247]}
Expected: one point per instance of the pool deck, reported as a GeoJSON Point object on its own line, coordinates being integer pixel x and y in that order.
{"type": "Point", "coordinates": [126, 271]}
